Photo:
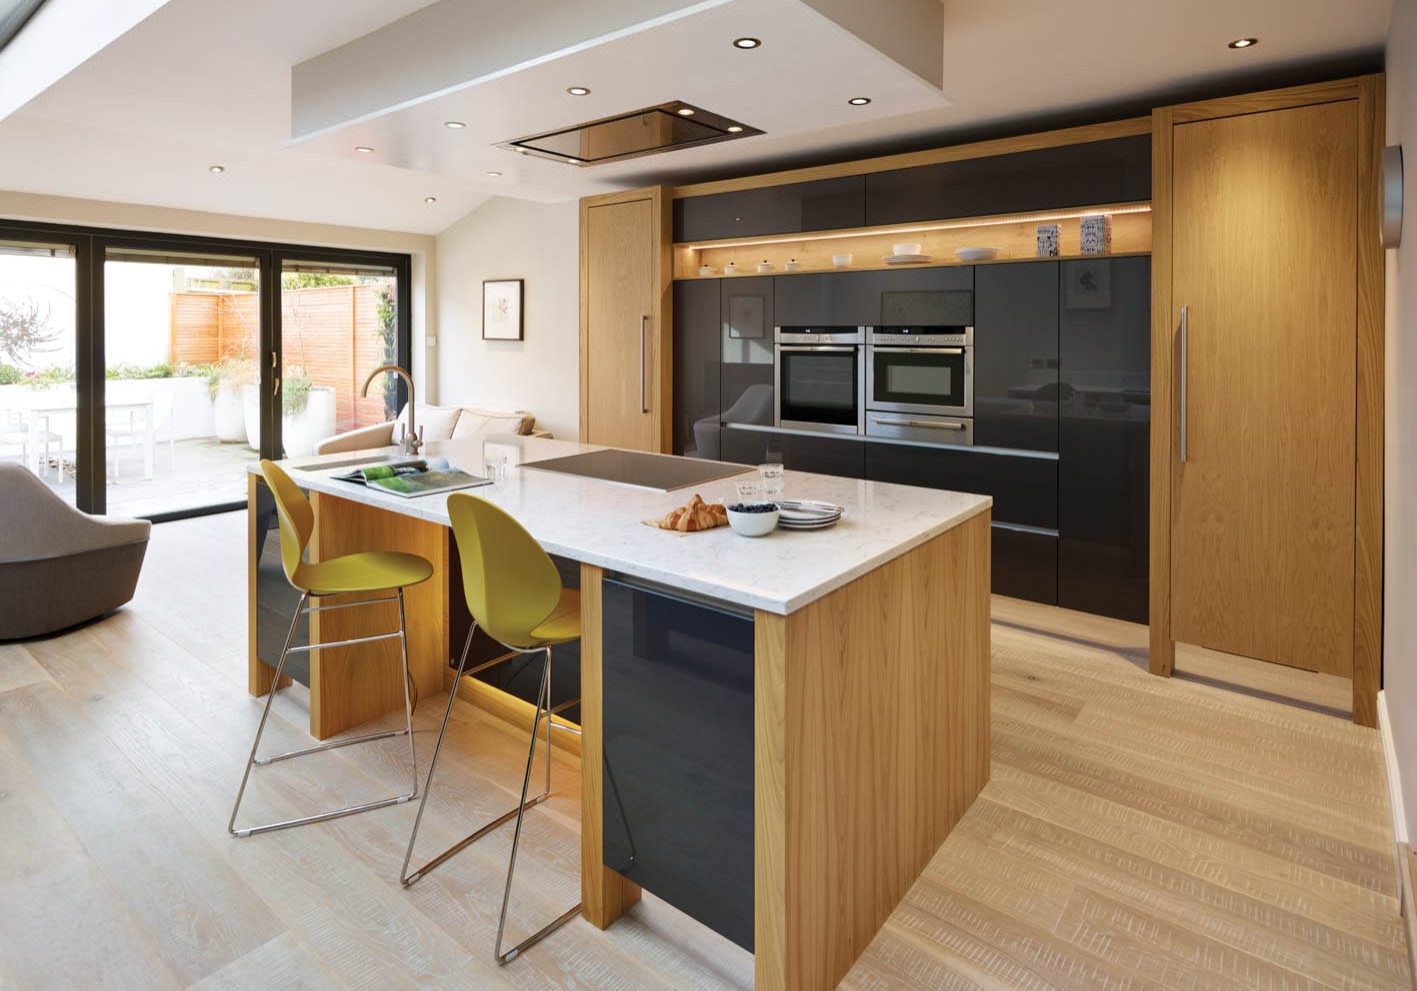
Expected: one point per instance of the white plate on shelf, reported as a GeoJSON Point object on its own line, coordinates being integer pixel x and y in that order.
{"type": "Point", "coordinates": [907, 259]}
{"type": "Point", "coordinates": [976, 254]}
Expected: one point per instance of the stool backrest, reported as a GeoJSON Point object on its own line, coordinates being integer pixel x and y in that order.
{"type": "Point", "coordinates": [296, 517]}
{"type": "Point", "coordinates": [510, 583]}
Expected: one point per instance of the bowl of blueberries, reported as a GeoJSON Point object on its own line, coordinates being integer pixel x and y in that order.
{"type": "Point", "coordinates": [753, 519]}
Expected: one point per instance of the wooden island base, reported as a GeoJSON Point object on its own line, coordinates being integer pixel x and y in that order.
{"type": "Point", "coordinates": [871, 729]}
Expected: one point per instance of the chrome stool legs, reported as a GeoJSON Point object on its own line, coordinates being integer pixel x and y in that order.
{"type": "Point", "coordinates": [543, 705]}
{"type": "Point", "coordinates": [286, 651]}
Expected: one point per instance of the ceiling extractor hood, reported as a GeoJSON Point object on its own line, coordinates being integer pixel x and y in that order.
{"type": "Point", "coordinates": [649, 131]}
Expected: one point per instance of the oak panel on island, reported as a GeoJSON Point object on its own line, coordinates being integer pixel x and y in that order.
{"type": "Point", "coordinates": [870, 729]}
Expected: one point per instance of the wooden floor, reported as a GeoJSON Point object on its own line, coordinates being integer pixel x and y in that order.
{"type": "Point", "coordinates": [1138, 833]}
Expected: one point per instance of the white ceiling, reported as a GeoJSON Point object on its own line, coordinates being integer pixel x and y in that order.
{"type": "Point", "coordinates": [203, 82]}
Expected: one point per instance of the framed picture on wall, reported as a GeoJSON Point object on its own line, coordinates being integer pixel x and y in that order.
{"type": "Point", "coordinates": [502, 309]}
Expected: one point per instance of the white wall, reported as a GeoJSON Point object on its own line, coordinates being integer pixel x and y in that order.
{"type": "Point", "coordinates": [513, 239]}
{"type": "Point", "coordinates": [136, 216]}
{"type": "Point", "coordinates": [1400, 430]}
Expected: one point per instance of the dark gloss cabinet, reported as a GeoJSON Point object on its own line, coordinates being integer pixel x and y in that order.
{"type": "Point", "coordinates": [697, 367]}
{"type": "Point", "coordinates": [1025, 489]}
{"type": "Point", "coordinates": [825, 204]}
{"type": "Point", "coordinates": [276, 599]}
{"type": "Point", "coordinates": [1016, 356]}
{"type": "Point", "coordinates": [1113, 171]}
{"type": "Point", "coordinates": [678, 751]}
{"type": "Point", "coordinates": [828, 299]}
{"type": "Point", "coordinates": [822, 454]}
{"type": "Point", "coordinates": [746, 308]}
{"type": "Point", "coordinates": [1104, 424]}
{"type": "Point", "coordinates": [1024, 565]}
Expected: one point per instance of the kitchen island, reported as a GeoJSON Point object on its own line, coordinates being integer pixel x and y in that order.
{"type": "Point", "coordinates": [777, 734]}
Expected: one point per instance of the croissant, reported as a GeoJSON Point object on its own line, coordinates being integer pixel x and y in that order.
{"type": "Point", "coordinates": [695, 515]}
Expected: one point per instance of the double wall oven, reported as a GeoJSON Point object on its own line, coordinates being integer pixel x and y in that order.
{"type": "Point", "coordinates": [910, 379]}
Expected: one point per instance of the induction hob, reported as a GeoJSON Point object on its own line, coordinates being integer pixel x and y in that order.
{"type": "Point", "coordinates": [659, 472]}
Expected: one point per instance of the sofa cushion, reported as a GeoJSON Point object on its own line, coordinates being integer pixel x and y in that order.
{"type": "Point", "coordinates": [476, 422]}
{"type": "Point", "coordinates": [436, 422]}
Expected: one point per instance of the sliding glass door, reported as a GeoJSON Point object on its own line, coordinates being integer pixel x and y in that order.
{"type": "Point", "coordinates": [39, 351]}
{"type": "Point", "coordinates": [141, 374]}
{"type": "Point", "coordinates": [338, 323]}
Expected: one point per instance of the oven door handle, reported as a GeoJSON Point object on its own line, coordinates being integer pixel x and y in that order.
{"type": "Point", "coordinates": [928, 424]}
{"type": "Point", "coordinates": [833, 348]}
{"type": "Point", "coordinates": [878, 349]}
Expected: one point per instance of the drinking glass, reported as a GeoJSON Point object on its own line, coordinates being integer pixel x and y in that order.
{"type": "Point", "coordinates": [749, 491]}
{"type": "Point", "coordinates": [772, 480]}
{"type": "Point", "coordinates": [495, 467]}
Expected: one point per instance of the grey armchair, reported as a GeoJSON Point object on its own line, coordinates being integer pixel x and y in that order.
{"type": "Point", "coordinates": [58, 566]}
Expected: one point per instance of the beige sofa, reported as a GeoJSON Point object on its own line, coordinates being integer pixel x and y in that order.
{"type": "Point", "coordinates": [58, 566]}
{"type": "Point", "coordinates": [435, 423]}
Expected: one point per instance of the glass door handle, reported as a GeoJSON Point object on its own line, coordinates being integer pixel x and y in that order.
{"type": "Point", "coordinates": [275, 387]}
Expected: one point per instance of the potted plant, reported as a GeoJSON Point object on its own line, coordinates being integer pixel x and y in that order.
{"type": "Point", "coordinates": [307, 413]}
{"type": "Point", "coordinates": [226, 382]}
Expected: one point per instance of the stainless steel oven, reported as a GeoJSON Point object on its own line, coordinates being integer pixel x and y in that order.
{"type": "Point", "coordinates": [923, 369]}
{"type": "Point", "coordinates": [820, 378]}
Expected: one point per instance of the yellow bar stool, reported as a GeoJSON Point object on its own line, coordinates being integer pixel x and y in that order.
{"type": "Point", "coordinates": [514, 594]}
{"type": "Point", "coordinates": [365, 573]}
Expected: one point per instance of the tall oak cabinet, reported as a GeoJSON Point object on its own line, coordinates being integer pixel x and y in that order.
{"type": "Point", "coordinates": [626, 360]}
{"type": "Point", "coordinates": [1267, 381]}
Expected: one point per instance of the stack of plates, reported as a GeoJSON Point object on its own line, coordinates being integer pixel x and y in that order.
{"type": "Point", "coordinates": [807, 515]}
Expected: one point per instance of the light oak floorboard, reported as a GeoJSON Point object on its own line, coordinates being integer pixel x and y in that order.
{"type": "Point", "coordinates": [1137, 833]}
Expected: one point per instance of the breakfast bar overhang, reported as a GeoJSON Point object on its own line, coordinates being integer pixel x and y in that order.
{"type": "Point", "coordinates": [823, 696]}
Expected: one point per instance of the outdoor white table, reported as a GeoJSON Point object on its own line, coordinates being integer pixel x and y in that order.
{"type": "Point", "coordinates": [48, 403]}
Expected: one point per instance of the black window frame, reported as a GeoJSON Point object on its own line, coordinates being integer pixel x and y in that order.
{"type": "Point", "coordinates": [91, 244]}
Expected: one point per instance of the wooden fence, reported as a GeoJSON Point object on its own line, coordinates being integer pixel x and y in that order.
{"type": "Point", "coordinates": [333, 332]}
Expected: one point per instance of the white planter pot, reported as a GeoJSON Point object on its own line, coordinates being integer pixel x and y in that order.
{"type": "Point", "coordinates": [300, 432]}
{"type": "Point", "coordinates": [228, 416]}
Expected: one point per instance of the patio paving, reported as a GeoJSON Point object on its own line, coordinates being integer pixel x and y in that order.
{"type": "Point", "coordinates": [197, 473]}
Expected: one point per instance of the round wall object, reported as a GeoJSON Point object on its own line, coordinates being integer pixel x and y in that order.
{"type": "Point", "coordinates": [1392, 196]}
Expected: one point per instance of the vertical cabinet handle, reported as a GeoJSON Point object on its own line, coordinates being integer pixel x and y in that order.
{"type": "Point", "coordinates": [644, 405]}
{"type": "Point", "coordinates": [275, 388]}
{"type": "Point", "coordinates": [1185, 376]}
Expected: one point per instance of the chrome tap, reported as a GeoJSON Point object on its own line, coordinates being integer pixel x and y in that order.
{"type": "Point", "coordinates": [412, 438]}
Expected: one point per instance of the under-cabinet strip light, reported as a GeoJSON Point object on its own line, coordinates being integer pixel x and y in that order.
{"type": "Point", "coordinates": [921, 228]}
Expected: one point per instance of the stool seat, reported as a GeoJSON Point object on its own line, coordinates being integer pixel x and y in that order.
{"type": "Point", "coordinates": [562, 626]}
{"type": "Point", "coordinates": [366, 571]}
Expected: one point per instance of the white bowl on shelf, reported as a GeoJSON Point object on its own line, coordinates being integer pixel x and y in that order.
{"type": "Point", "coordinates": [841, 261]}
{"type": "Point", "coordinates": [976, 254]}
{"type": "Point", "coordinates": [758, 524]}
{"type": "Point", "coordinates": [906, 249]}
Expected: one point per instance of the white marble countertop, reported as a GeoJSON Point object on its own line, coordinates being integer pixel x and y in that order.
{"type": "Point", "coordinates": [601, 523]}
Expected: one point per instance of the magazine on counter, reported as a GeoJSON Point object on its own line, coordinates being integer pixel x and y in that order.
{"type": "Point", "coordinates": [409, 479]}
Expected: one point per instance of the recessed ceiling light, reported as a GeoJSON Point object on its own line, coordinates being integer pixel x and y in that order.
{"type": "Point", "coordinates": [1244, 43]}
{"type": "Point", "coordinates": [578, 90]}
{"type": "Point", "coordinates": [746, 43]}
{"type": "Point", "coordinates": [734, 128]}
{"type": "Point", "coordinates": [494, 174]}
{"type": "Point", "coordinates": [686, 111]}
{"type": "Point", "coordinates": [859, 101]}
{"type": "Point", "coordinates": [430, 199]}
{"type": "Point", "coordinates": [216, 169]}
{"type": "Point", "coordinates": [455, 125]}
{"type": "Point", "coordinates": [364, 148]}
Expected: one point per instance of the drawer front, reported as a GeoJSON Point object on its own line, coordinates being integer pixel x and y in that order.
{"type": "Point", "coordinates": [678, 750]}
{"type": "Point", "coordinates": [839, 299]}
{"type": "Point", "coordinates": [1025, 489]}
{"type": "Point", "coordinates": [824, 455]}
{"type": "Point", "coordinates": [826, 204]}
{"type": "Point", "coordinates": [1025, 564]}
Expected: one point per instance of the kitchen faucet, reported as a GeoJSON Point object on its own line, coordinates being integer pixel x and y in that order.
{"type": "Point", "coordinates": [412, 437]}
